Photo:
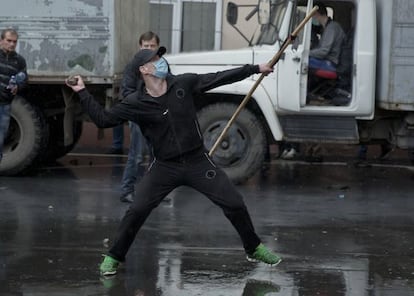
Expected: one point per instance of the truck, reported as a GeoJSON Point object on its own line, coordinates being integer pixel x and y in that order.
{"type": "Point", "coordinates": [374, 105]}
{"type": "Point", "coordinates": [94, 38]}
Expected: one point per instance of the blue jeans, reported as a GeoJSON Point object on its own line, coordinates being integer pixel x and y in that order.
{"type": "Point", "coordinates": [118, 137]}
{"type": "Point", "coordinates": [326, 65]}
{"type": "Point", "coordinates": [4, 125]}
{"type": "Point", "coordinates": [136, 145]}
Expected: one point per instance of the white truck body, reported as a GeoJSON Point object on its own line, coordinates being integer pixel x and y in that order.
{"type": "Point", "coordinates": [381, 88]}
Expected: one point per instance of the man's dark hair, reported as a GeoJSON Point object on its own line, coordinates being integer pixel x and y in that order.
{"type": "Point", "coordinates": [148, 36]}
{"type": "Point", "coordinates": [8, 30]}
{"type": "Point", "coordinates": [322, 8]}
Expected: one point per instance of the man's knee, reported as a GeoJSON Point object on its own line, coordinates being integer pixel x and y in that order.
{"type": "Point", "coordinates": [235, 203]}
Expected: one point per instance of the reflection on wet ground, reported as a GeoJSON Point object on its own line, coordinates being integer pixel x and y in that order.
{"type": "Point", "coordinates": [341, 231]}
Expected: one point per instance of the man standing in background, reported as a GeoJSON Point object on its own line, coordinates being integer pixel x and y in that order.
{"type": "Point", "coordinates": [148, 40]}
{"type": "Point", "coordinates": [11, 63]}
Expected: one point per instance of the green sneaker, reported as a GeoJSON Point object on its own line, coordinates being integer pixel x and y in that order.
{"type": "Point", "coordinates": [262, 254]}
{"type": "Point", "coordinates": [109, 266]}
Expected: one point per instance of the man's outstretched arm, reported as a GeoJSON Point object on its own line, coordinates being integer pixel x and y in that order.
{"type": "Point", "coordinates": [213, 80]}
{"type": "Point", "coordinates": [101, 117]}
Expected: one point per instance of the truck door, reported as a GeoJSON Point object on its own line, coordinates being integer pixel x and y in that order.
{"type": "Point", "coordinates": [359, 22]}
{"type": "Point", "coordinates": [292, 67]}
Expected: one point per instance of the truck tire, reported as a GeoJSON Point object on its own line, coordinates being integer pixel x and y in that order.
{"type": "Point", "coordinates": [26, 138]}
{"type": "Point", "coordinates": [56, 147]}
{"type": "Point", "coordinates": [242, 150]}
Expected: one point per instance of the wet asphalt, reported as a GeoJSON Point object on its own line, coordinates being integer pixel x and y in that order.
{"type": "Point", "coordinates": [342, 230]}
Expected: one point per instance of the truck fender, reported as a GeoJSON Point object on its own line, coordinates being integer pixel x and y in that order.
{"type": "Point", "coordinates": [261, 97]}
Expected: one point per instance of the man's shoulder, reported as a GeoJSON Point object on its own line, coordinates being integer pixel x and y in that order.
{"type": "Point", "coordinates": [184, 80]}
{"type": "Point", "coordinates": [14, 59]}
{"type": "Point", "coordinates": [183, 77]}
{"type": "Point", "coordinates": [335, 25]}
{"type": "Point", "coordinates": [131, 96]}
{"type": "Point", "coordinates": [19, 58]}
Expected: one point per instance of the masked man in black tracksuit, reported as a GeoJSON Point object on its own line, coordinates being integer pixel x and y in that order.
{"type": "Point", "coordinates": [164, 109]}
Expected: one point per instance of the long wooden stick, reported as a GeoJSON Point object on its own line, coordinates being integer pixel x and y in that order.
{"type": "Point", "coordinates": [271, 63]}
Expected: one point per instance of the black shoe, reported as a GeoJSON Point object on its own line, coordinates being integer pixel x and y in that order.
{"type": "Point", "coordinates": [127, 198]}
{"type": "Point", "coordinates": [115, 151]}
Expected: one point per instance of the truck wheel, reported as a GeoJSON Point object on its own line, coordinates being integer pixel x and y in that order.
{"type": "Point", "coordinates": [56, 147]}
{"type": "Point", "coordinates": [26, 137]}
{"type": "Point", "coordinates": [242, 150]}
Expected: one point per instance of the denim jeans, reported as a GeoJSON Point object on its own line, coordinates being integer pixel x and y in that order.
{"type": "Point", "coordinates": [118, 137]}
{"type": "Point", "coordinates": [326, 65]}
{"type": "Point", "coordinates": [4, 125]}
{"type": "Point", "coordinates": [137, 142]}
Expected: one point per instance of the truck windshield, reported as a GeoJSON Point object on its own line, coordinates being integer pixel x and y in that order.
{"type": "Point", "coordinates": [269, 33]}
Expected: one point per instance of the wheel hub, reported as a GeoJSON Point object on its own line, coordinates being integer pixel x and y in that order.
{"type": "Point", "coordinates": [233, 146]}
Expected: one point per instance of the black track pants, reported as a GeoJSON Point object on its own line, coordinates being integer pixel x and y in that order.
{"type": "Point", "coordinates": [199, 173]}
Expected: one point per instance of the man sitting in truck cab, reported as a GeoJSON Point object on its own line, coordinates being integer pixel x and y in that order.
{"type": "Point", "coordinates": [324, 58]}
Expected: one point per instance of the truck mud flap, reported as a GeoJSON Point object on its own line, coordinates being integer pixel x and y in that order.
{"type": "Point", "coordinates": [326, 129]}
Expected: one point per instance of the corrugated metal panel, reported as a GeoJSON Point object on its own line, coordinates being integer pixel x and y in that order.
{"type": "Point", "coordinates": [402, 55]}
{"type": "Point", "coordinates": [59, 38]}
{"type": "Point", "coordinates": [396, 62]}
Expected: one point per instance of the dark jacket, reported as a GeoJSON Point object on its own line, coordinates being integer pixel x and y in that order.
{"type": "Point", "coordinates": [169, 122]}
{"type": "Point", "coordinates": [129, 81]}
{"type": "Point", "coordinates": [10, 64]}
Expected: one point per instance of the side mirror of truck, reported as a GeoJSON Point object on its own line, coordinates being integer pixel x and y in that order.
{"type": "Point", "coordinates": [232, 13]}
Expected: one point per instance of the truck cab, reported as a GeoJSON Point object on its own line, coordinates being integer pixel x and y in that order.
{"type": "Point", "coordinates": [368, 99]}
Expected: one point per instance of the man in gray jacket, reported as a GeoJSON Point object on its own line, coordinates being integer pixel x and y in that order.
{"type": "Point", "coordinates": [326, 54]}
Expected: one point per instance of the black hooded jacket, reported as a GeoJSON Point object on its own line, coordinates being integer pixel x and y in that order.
{"type": "Point", "coordinates": [169, 122]}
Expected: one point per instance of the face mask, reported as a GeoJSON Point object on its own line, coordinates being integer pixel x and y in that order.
{"type": "Point", "coordinates": [161, 68]}
{"type": "Point", "coordinates": [315, 22]}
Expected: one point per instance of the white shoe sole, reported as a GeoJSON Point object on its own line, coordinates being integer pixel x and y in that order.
{"type": "Point", "coordinates": [256, 261]}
